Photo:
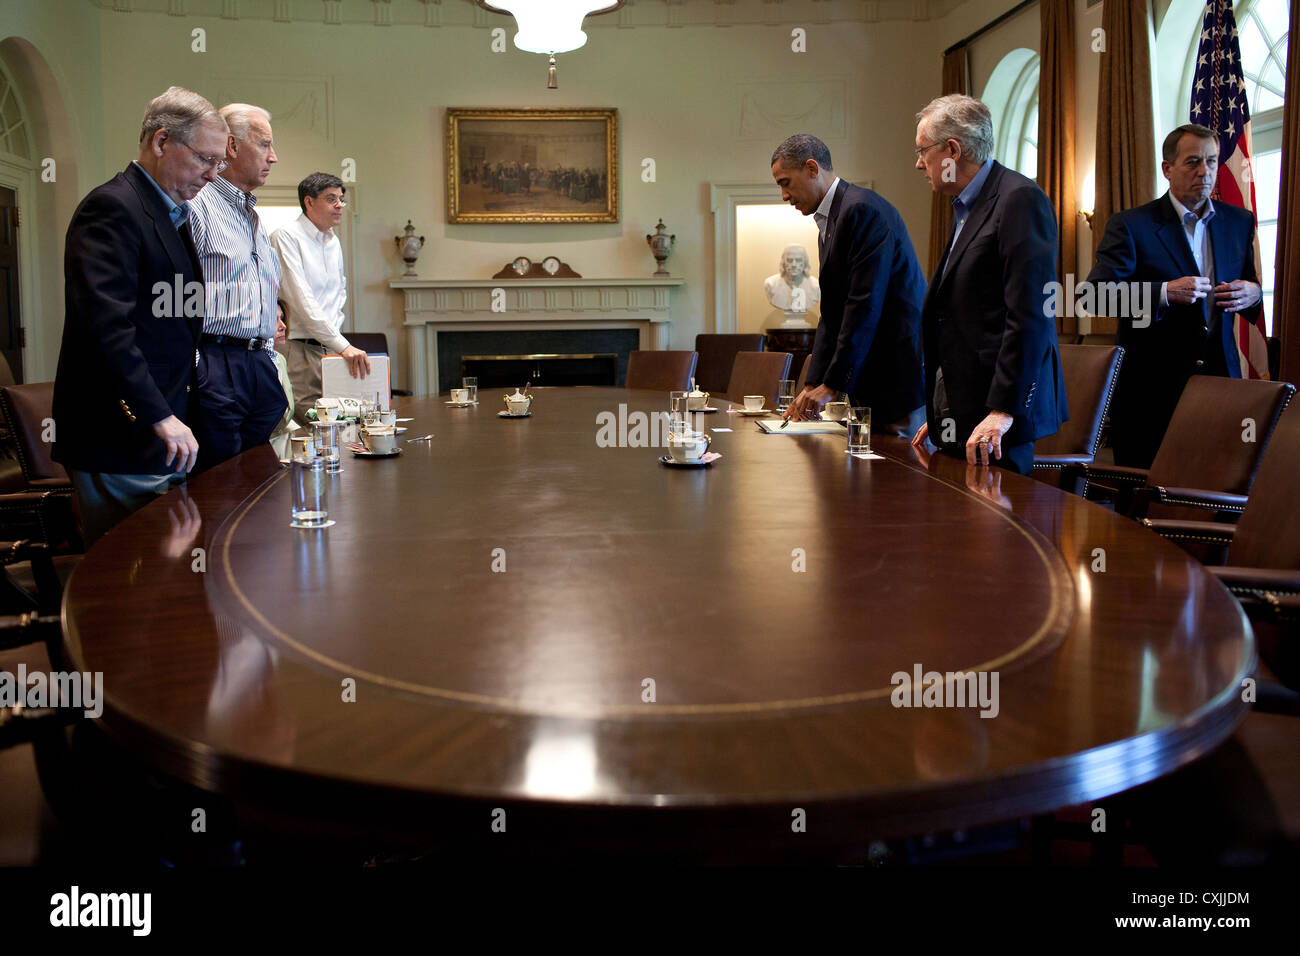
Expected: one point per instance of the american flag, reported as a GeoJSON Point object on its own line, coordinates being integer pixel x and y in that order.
{"type": "Point", "coordinates": [1219, 102]}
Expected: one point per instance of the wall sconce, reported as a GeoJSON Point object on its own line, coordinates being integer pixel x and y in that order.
{"type": "Point", "coordinates": [1088, 197]}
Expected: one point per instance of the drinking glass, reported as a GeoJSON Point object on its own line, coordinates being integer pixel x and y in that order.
{"type": "Point", "coordinates": [302, 447]}
{"type": "Point", "coordinates": [310, 489]}
{"type": "Point", "coordinates": [785, 395]}
{"type": "Point", "coordinates": [859, 430]}
{"type": "Point", "coordinates": [471, 383]}
{"type": "Point", "coordinates": [327, 446]}
{"type": "Point", "coordinates": [679, 409]}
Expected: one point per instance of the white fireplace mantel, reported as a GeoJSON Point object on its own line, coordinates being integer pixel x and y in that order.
{"type": "Point", "coordinates": [466, 305]}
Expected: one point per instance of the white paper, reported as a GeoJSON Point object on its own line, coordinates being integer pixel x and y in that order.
{"type": "Point", "coordinates": [721, 429]}
{"type": "Point", "coordinates": [773, 427]}
{"type": "Point", "coordinates": [337, 381]}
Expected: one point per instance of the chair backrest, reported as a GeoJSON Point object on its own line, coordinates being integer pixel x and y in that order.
{"type": "Point", "coordinates": [1090, 372]}
{"type": "Point", "coordinates": [662, 370]}
{"type": "Point", "coordinates": [1205, 445]}
{"type": "Point", "coordinates": [803, 374]}
{"type": "Point", "coordinates": [372, 343]}
{"type": "Point", "coordinates": [1268, 531]}
{"type": "Point", "coordinates": [717, 353]}
{"type": "Point", "coordinates": [27, 408]}
{"type": "Point", "coordinates": [758, 373]}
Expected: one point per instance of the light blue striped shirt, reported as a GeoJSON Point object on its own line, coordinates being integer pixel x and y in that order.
{"type": "Point", "coordinates": [242, 273]}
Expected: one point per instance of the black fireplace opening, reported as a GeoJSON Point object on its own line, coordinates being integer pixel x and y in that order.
{"type": "Point", "coordinates": [515, 371]}
{"type": "Point", "coordinates": [559, 356]}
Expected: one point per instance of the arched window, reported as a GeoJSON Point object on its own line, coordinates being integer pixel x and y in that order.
{"type": "Point", "coordinates": [1012, 97]}
{"type": "Point", "coordinates": [14, 137]}
{"type": "Point", "coordinates": [1262, 30]}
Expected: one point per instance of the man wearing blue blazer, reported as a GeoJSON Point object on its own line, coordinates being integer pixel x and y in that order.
{"type": "Point", "coordinates": [993, 381]}
{"type": "Point", "coordinates": [1195, 261]}
{"type": "Point", "coordinates": [868, 339]}
{"type": "Point", "coordinates": [134, 299]}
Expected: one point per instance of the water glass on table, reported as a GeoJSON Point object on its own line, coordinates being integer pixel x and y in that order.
{"type": "Point", "coordinates": [859, 430]}
{"type": "Point", "coordinates": [785, 394]}
{"type": "Point", "coordinates": [327, 445]}
{"type": "Point", "coordinates": [679, 409]}
{"type": "Point", "coordinates": [309, 485]}
{"type": "Point", "coordinates": [471, 385]}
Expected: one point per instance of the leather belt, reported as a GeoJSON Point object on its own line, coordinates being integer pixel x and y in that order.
{"type": "Point", "coordinates": [232, 341]}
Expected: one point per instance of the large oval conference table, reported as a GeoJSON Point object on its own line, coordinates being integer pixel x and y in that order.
{"type": "Point", "coordinates": [512, 626]}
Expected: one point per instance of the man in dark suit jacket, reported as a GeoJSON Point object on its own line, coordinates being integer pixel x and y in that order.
{"type": "Point", "coordinates": [868, 339]}
{"type": "Point", "coordinates": [134, 309]}
{"type": "Point", "coordinates": [993, 377]}
{"type": "Point", "coordinates": [1177, 248]}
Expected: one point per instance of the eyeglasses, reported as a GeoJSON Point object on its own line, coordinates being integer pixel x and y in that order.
{"type": "Point", "coordinates": [922, 150]}
{"type": "Point", "coordinates": [337, 201]}
{"type": "Point", "coordinates": [209, 162]}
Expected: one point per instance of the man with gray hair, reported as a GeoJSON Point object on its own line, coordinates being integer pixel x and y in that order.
{"type": "Point", "coordinates": [871, 284]}
{"type": "Point", "coordinates": [993, 382]}
{"type": "Point", "coordinates": [124, 390]}
{"type": "Point", "coordinates": [241, 397]}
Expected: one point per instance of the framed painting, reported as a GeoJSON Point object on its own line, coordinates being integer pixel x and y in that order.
{"type": "Point", "coordinates": [532, 165]}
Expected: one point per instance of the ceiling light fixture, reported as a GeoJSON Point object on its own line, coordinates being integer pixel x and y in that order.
{"type": "Point", "coordinates": [550, 26]}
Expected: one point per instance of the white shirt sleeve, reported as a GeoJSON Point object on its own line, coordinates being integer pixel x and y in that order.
{"type": "Point", "coordinates": [306, 317]}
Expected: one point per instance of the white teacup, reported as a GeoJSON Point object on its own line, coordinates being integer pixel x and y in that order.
{"type": "Point", "coordinates": [835, 411]}
{"type": "Point", "coordinates": [379, 439]}
{"type": "Point", "coordinates": [754, 403]}
{"type": "Point", "coordinates": [460, 394]}
{"type": "Point", "coordinates": [689, 446]}
{"type": "Point", "coordinates": [327, 412]}
{"type": "Point", "coordinates": [696, 400]}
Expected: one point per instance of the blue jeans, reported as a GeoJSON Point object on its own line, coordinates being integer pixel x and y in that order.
{"type": "Point", "coordinates": [105, 499]}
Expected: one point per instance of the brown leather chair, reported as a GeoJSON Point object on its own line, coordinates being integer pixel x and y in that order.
{"type": "Point", "coordinates": [1203, 461]}
{"type": "Point", "coordinates": [803, 374]}
{"type": "Point", "coordinates": [1090, 373]}
{"type": "Point", "coordinates": [1260, 554]}
{"type": "Point", "coordinates": [661, 370]}
{"type": "Point", "coordinates": [717, 355]}
{"type": "Point", "coordinates": [28, 408]}
{"type": "Point", "coordinates": [758, 373]}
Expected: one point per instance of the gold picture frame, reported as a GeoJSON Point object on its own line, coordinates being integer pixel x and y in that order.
{"type": "Point", "coordinates": [532, 165]}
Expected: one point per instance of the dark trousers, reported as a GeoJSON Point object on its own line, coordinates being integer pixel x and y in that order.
{"type": "Point", "coordinates": [240, 401]}
{"type": "Point", "coordinates": [1018, 458]}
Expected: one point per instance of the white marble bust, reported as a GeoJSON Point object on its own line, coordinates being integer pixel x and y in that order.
{"type": "Point", "coordinates": [793, 289]}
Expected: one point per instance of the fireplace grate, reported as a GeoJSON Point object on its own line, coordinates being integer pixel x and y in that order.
{"type": "Point", "coordinates": [544, 369]}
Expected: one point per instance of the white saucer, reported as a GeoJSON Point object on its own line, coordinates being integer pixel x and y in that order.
{"type": "Point", "coordinates": [400, 429]}
{"type": "Point", "coordinates": [706, 410]}
{"type": "Point", "coordinates": [761, 411]}
{"type": "Point", "coordinates": [513, 414]}
{"type": "Point", "coordinates": [460, 404]}
{"type": "Point", "coordinates": [406, 419]}
{"type": "Point", "coordinates": [696, 463]}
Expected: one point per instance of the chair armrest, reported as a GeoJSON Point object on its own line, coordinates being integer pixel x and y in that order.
{"type": "Point", "coordinates": [1207, 541]}
{"type": "Point", "coordinates": [1224, 501]}
{"type": "Point", "coordinates": [1259, 583]}
{"type": "Point", "coordinates": [1061, 461]}
{"type": "Point", "coordinates": [1117, 475]}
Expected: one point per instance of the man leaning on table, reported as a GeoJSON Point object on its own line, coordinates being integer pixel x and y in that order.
{"type": "Point", "coordinates": [124, 390]}
{"type": "Point", "coordinates": [241, 400]}
{"type": "Point", "coordinates": [993, 381]}
{"type": "Point", "coordinates": [315, 288]}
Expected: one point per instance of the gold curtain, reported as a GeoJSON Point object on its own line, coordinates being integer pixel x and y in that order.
{"type": "Point", "coordinates": [955, 79]}
{"type": "Point", "coordinates": [1286, 296]}
{"type": "Point", "coordinates": [1056, 131]}
{"type": "Point", "coordinates": [1126, 142]}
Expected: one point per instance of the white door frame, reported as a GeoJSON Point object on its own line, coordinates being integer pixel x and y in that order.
{"type": "Point", "coordinates": [20, 176]}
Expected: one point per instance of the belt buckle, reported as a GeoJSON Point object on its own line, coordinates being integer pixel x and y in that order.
{"type": "Point", "coordinates": [256, 343]}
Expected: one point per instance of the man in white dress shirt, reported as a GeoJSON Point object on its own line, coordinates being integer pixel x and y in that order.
{"type": "Point", "coordinates": [314, 287]}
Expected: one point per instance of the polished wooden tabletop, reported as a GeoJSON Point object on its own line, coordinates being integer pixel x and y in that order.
{"type": "Point", "coordinates": [512, 615]}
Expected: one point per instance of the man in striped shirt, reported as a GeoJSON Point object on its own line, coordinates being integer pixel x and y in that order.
{"type": "Point", "coordinates": [240, 398]}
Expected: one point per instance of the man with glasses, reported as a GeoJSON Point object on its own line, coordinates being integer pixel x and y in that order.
{"type": "Point", "coordinates": [241, 398]}
{"type": "Point", "coordinates": [315, 288]}
{"type": "Point", "coordinates": [125, 387]}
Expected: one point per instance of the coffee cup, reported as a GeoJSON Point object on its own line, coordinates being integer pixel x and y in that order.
{"type": "Point", "coordinates": [379, 439]}
{"type": "Point", "coordinates": [688, 446]}
{"type": "Point", "coordinates": [460, 395]}
{"type": "Point", "coordinates": [835, 411]}
{"type": "Point", "coordinates": [754, 403]}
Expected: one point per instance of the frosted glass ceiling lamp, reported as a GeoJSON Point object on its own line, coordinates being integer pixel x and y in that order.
{"type": "Point", "coordinates": [550, 26]}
